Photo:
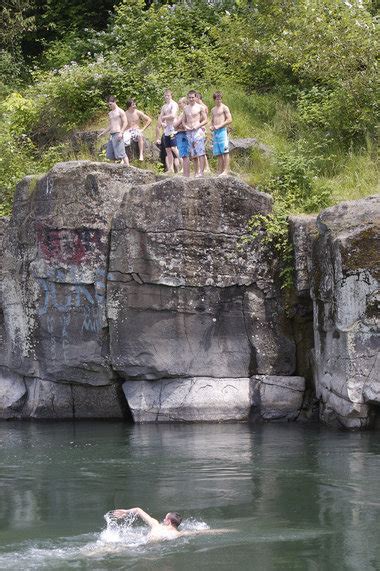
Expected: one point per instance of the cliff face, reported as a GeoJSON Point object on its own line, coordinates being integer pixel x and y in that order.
{"type": "Point", "coordinates": [126, 294]}
{"type": "Point", "coordinates": [345, 290]}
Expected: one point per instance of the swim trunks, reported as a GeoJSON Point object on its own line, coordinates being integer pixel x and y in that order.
{"type": "Point", "coordinates": [220, 144]}
{"type": "Point", "coordinates": [182, 144]}
{"type": "Point", "coordinates": [170, 140]}
{"type": "Point", "coordinates": [196, 139]}
{"type": "Point", "coordinates": [115, 148]}
{"type": "Point", "coordinates": [132, 134]}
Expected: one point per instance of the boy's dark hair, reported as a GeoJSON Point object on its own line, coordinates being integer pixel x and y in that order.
{"type": "Point", "coordinates": [192, 92]}
{"type": "Point", "coordinates": [129, 103]}
{"type": "Point", "coordinates": [111, 99]}
{"type": "Point", "coordinates": [217, 94]}
{"type": "Point", "coordinates": [175, 518]}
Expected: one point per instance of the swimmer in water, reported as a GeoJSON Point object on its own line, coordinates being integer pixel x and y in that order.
{"type": "Point", "coordinates": [168, 529]}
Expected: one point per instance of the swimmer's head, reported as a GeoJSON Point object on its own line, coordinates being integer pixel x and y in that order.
{"type": "Point", "coordinates": [173, 518]}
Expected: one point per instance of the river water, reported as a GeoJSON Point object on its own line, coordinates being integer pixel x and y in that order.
{"type": "Point", "coordinates": [289, 497]}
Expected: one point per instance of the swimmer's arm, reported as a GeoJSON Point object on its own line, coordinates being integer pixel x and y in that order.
{"type": "Point", "coordinates": [206, 532]}
{"type": "Point", "coordinates": [137, 511]}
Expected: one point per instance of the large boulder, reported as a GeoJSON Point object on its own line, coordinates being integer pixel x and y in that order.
{"type": "Point", "coordinates": [54, 272]}
{"type": "Point", "coordinates": [245, 145]}
{"type": "Point", "coordinates": [200, 399]}
{"type": "Point", "coordinates": [185, 298]}
{"type": "Point", "coordinates": [276, 398]}
{"type": "Point", "coordinates": [112, 275]}
{"type": "Point", "coordinates": [345, 291]}
{"type": "Point", "coordinates": [208, 399]}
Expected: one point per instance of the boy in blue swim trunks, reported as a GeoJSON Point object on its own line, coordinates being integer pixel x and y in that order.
{"type": "Point", "coordinates": [181, 138]}
{"type": "Point", "coordinates": [220, 118]}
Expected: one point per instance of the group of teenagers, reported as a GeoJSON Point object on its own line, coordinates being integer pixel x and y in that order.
{"type": "Point", "coordinates": [181, 130]}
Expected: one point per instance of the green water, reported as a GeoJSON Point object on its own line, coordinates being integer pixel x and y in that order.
{"type": "Point", "coordinates": [291, 497]}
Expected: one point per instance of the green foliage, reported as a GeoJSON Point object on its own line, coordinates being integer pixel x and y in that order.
{"type": "Point", "coordinates": [15, 20]}
{"type": "Point", "coordinates": [273, 231]}
{"type": "Point", "coordinates": [299, 76]}
{"type": "Point", "coordinates": [322, 54]}
{"type": "Point", "coordinates": [77, 14]}
{"type": "Point", "coordinates": [292, 185]}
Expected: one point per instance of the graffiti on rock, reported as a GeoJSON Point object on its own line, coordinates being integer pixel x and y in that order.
{"type": "Point", "coordinates": [68, 245]}
{"type": "Point", "coordinates": [87, 300]}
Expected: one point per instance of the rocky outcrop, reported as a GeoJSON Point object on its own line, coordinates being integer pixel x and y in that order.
{"type": "Point", "coordinates": [208, 399]}
{"type": "Point", "coordinates": [87, 142]}
{"type": "Point", "coordinates": [151, 151]}
{"type": "Point", "coordinates": [244, 146]}
{"type": "Point", "coordinates": [55, 263]}
{"type": "Point", "coordinates": [345, 291]}
{"type": "Point", "coordinates": [128, 295]}
{"type": "Point", "coordinates": [195, 399]}
{"type": "Point", "coordinates": [183, 299]}
{"type": "Point", "coordinates": [303, 232]}
{"type": "Point", "coordinates": [276, 398]}
{"type": "Point", "coordinates": [112, 276]}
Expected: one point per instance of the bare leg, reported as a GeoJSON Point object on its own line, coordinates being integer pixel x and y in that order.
{"type": "Point", "coordinates": [125, 161]}
{"type": "Point", "coordinates": [176, 160]}
{"type": "Point", "coordinates": [141, 147]}
{"type": "Point", "coordinates": [201, 163]}
{"type": "Point", "coordinates": [226, 163]}
{"type": "Point", "coordinates": [220, 164]}
{"type": "Point", "coordinates": [196, 166]}
{"type": "Point", "coordinates": [169, 159]}
{"type": "Point", "coordinates": [186, 166]}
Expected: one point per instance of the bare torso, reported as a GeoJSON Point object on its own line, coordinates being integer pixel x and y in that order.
{"type": "Point", "coordinates": [219, 114]}
{"type": "Point", "coordinates": [193, 115]}
{"type": "Point", "coordinates": [134, 119]}
{"type": "Point", "coordinates": [168, 114]}
{"type": "Point", "coordinates": [116, 120]}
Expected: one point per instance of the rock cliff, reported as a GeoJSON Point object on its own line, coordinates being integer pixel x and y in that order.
{"type": "Point", "coordinates": [345, 291]}
{"type": "Point", "coordinates": [130, 295]}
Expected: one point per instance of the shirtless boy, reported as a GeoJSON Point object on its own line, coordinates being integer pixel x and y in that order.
{"type": "Point", "coordinates": [220, 118]}
{"type": "Point", "coordinates": [194, 118]}
{"type": "Point", "coordinates": [169, 112]}
{"type": "Point", "coordinates": [137, 122]}
{"type": "Point", "coordinates": [117, 125]}
{"type": "Point", "coordinates": [168, 529]}
{"type": "Point", "coordinates": [181, 138]}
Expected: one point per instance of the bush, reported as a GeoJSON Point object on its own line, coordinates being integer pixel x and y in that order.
{"type": "Point", "coordinates": [292, 183]}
